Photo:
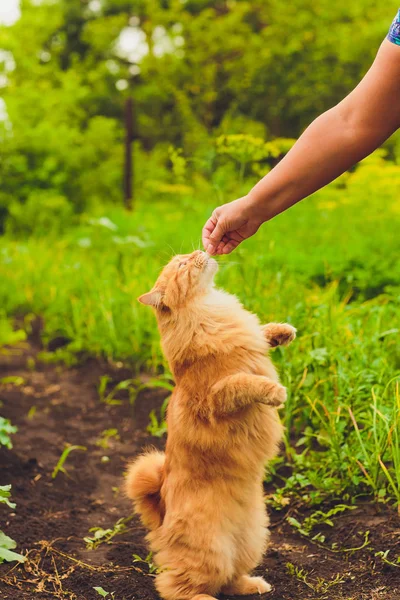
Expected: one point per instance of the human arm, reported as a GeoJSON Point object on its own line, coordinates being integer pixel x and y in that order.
{"type": "Point", "coordinates": [333, 143]}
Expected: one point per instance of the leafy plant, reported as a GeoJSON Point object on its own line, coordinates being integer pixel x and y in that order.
{"type": "Point", "coordinates": [148, 560]}
{"type": "Point", "coordinates": [6, 429]}
{"type": "Point", "coordinates": [7, 544]}
{"type": "Point", "coordinates": [104, 536]}
{"type": "Point", "coordinates": [318, 517]}
{"type": "Point", "coordinates": [7, 553]}
{"type": "Point", "coordinates": [5, 493]}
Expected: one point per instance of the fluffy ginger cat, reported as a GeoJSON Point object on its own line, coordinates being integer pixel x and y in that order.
{"type": "Point", "coordinates": [203, 499]}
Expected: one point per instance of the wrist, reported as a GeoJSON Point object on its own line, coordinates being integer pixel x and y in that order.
{"type": "Point", "coordinates": [266, 202]}
{"type": "Point", "coordinates": [259, 205]}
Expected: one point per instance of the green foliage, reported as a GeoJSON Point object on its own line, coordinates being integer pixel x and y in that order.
{"type": "Point", "coordinates": [104, 536]}
{"type": "Point", "coordinates": [318, 585]}
{"type": "Point", "coordinates": [106, 436]}
{"type": "Point", "coordinates": [148, 560]}
{"type": "Point", "coordinates": [16, 380]}
{"type": "Point", "coordinates": [203, 69]}
{"type": "Point", "coordinates": [9, 335]}
{"type": "Point", "coordinates": [246, 149]}
{"type": "Point", "coordinates": [318, 517]}
{"type": "Point", "coordinates": [6, 429]}
{"type": "Point", "coordinates": [5, 494]}
{"type": "Point", "coordinates": [7, 545]}
{"type": "Point", "coordinates": [43, 213]}
{"type": "Point", "coordinates": [158, 425]}
{"type": "Point", "coordinates": [7, 553]}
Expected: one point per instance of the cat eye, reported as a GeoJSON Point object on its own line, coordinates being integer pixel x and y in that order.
{"type": "Point", "coordinates": [182, 264]}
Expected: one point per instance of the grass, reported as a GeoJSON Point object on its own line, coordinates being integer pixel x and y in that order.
{"type": "Point", "coordinates": [329, 266]}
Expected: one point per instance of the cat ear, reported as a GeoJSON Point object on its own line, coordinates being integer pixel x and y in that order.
{"type": "Point", "coordinates": [152, 298]}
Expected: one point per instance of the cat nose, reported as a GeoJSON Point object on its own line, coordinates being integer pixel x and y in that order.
{"type": "Point", "coordinates": [200, 258]}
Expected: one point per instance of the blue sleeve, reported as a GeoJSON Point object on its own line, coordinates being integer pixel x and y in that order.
{"type": "Point", "coordinates": [394, 31]}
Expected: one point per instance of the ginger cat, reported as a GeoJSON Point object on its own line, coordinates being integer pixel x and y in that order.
{"type": "Point", "coordinates": [203, 499]}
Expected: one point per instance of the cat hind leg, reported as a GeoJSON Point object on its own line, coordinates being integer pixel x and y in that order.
{"type": "Point", "coordinates": [182, 586]}
{"type": "Point", "coordinates": [245, 585]}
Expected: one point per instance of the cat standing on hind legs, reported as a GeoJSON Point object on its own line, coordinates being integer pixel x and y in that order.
{"type": "Point", "coordinates": [202, 499]}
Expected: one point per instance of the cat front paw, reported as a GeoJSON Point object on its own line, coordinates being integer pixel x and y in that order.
{"type": "Point", "coordinates": [276, 395]}
{"type": "Point", "coordinates": [279, 334]}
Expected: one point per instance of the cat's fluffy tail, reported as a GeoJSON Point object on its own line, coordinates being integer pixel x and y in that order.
{"type": "Point", "coordinates": [143, 484]}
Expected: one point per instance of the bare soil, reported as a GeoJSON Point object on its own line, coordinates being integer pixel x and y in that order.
{"type": "Point", "coordinates": [56, 406]}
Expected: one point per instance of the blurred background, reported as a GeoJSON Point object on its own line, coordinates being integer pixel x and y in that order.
{"type": "Point", "coordinates": [195, 70]}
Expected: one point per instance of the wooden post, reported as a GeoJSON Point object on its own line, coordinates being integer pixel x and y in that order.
{"type": "Point", "coordinates": [128, 168]}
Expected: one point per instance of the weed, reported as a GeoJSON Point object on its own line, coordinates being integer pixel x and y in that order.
{"type": "Point", "coordinates": [320, 585]}
{"type": "Point", "coordinates": [318, 518]}
{"type": "Point", "coordinates": [104, 536]}
{"type": "Point", "coordinates": [366, 542]}
{"type": "Point", "coordinates": [383, 555]}
{"type": "Point", "coordinates": [7, 546]}
{"type": "Point", "coordinates": [106, 436]}
{"type": "Point", "coordinates": [158, 425]}
{"type": "Point", "coordinates": [133, 386]}
{"type": "Point", "coordinates": [109, 397]}
{"type": "Point", "coordinates": [60, 464]}
{"type": "Point", "coordinates": [5, 493]}
{"type": "Point", "coordinates": [12, 379]}
{"type": "Point", "coordinates": [102, 592]}
{"type": "Point", "coordinates": [6, 429]}
{"type": "Point", "coordinates": [148, 560]}
{"type": "Point", "coordinates": [32, 412]}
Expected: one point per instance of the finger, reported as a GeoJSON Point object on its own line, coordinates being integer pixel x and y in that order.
{"type": "Point", "coordinates": [236, 236]}
{"type": "Point", "coordinates": [231, 245]}
{"type": "Point", "coordinates": [215, 237]}
{"type": "Point", "coordinates": [207, 230]}
{"type": "Point", "coordinates": [220, 248]}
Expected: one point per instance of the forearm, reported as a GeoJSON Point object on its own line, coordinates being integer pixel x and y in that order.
{"type": "Point", "coordinates": [333, 143]}
{"type": "Point", "coordinates": [324, 151]}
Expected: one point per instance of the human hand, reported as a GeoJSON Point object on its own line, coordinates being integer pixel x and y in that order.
{"type": "Point", "coordinates": [229, 225]}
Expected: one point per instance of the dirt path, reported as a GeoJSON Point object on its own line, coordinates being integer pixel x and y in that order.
{"type": "Point", "coordinates": [55, 406]}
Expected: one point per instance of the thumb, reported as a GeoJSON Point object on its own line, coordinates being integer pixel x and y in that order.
{"type": "Point", "coordinates": [216, 236]}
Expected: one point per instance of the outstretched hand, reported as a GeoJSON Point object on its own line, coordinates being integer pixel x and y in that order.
{"type": "Point", "coordinates": [229, 225]}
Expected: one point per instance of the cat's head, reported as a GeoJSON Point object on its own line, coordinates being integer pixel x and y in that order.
{"type": "Point", "coordinates": [184, 279]}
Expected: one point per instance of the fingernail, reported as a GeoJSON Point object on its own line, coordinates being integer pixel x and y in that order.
{"type": "Point", "coordinates": [210, 249]}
